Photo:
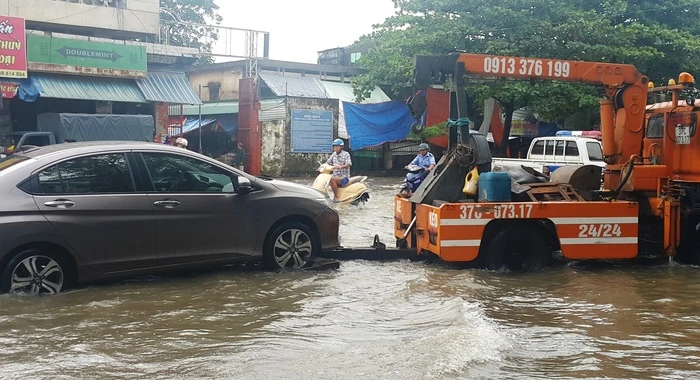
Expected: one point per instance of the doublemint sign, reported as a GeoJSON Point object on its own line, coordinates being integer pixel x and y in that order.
{"type": "Point", "coordinates": [82, 55]}
{"type": "Point", "coordinates": [88, 53]}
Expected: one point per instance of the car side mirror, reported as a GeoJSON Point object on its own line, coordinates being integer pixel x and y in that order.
{"type": "Point", "coordinates": [244, 185]}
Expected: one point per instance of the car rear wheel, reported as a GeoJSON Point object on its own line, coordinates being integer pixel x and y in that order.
{"type": "Point", "coordinates": [290, 246]}
{"type": "Point", "coordinates": [35, 272]}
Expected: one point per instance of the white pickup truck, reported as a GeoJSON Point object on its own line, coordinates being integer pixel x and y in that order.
{"type": "Point", "coordinates": [546, 154]}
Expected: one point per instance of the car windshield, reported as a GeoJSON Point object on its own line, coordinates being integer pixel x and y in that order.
{"type": "Point", "coordinates": [9, 140]}
{"type": "Point", "coordinates": [11, 161]}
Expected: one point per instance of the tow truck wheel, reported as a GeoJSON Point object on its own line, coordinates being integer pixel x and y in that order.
{"type": "Point", "coordinates": [518, 249]}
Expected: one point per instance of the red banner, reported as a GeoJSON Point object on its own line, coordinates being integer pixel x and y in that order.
{"type": "Point", "coordinates": [9, 90]}
{"type": "Point", "coordinates": [13, 47]}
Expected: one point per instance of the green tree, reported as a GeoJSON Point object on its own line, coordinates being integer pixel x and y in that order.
{"type": "Point", "coordinates": [658, 38]}
{"type": "Point", "coordinates": [177, 18]}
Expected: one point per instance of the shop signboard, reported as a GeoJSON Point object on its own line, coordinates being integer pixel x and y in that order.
{"type": "Point", "coordinates": [523, 128]}
{"type": "Point", "coordinates": [51, 54]}
{"type": "Point", "coordinates": [13, 47]}
{"type": "Point", "coordinates": [9, 90]}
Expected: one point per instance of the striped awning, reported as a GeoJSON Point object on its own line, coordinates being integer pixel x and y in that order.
{"type": "Point", "coordinates": [88, 88]}
{"type": "Point", "coordinates": [168, 88]}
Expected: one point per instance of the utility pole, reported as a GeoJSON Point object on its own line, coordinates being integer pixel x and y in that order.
{"type": "Point", "coordinates": [200, 120]}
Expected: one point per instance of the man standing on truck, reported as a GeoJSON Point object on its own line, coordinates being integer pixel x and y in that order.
{"type": "Point", "coordinates": [424, 159]}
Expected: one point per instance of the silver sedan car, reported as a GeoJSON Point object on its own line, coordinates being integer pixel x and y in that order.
{"type": "Point", "coordinates": [80, 212]}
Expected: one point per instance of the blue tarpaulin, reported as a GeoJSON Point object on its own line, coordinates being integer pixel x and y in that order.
{"type": "Point", "coordinates": [375, 124]}
{"type": "Point", "coordinates": [192, 124]}
{"type": "Point", "coordinates": [29, 90]}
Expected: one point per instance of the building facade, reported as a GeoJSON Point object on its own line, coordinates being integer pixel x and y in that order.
{"type": "Point", "coordinates": [348, 56]}
{"type": "Point", "coordinates": [94, 57]}
{"type": "Point", "coordinates": [291, 94]}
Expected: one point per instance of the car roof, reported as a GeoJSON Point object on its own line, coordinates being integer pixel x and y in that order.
{"type": "Point", "coordinates": [92, 147]}
{"type": "Point", "coordinates": [567, 138]}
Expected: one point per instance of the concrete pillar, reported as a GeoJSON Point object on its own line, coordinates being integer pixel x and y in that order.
{"type": "Point", "coordinates": [162, 120]}
{"type": "Point", "coordinates": [388, 157]}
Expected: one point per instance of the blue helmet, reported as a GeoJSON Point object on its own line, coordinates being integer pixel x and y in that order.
{"type": "Point", "coordinates": [423, 146]}
{"type": "Point", "coordinates": [338, 142]}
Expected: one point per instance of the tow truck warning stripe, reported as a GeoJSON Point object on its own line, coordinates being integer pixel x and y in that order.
{"type": "Point", "coordinates": [564, 242]}
{"type": "Point", "coordinates": [603, 240]}
{"type": "Point", "coordinates": [562, 221]}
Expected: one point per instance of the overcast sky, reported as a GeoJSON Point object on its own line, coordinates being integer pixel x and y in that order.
{"type": "Point", "coordinates": [300, 28]}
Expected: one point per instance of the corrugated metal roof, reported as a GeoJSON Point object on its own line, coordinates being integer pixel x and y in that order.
{"type": "Point", "coordinates": [219, 108]}
{"type": "Point", "coordinates": [10, 80]}
{"type": "Point", "coordinates": [300, 87]}
{"type": "Point", "coordinates": [168, 88]}
{"type": "Point", "coordinates": [89, 88]}
{"type": "Point", "coordinates": [344, 92]}
{"type": "Point", "coordinates": [272, 109]}
{"type": "Point", "coordinates": [227, 108]}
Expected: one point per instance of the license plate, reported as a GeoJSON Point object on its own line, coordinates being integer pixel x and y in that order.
{"type": "Point", "coordinates": [682, 135]}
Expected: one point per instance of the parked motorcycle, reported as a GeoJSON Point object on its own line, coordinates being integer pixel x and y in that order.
{"type": "Point", "coordinates": [416, 175]}
{"type": "Point", "coordinates": [354, 192]}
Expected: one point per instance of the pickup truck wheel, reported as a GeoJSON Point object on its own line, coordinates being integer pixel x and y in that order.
{"type": "Point", "coordinates": [518, 249]}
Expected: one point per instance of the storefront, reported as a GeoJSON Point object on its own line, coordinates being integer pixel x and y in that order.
{"type": "Point", "coordinates": [84, 75]}
{"type": "Point", "coordinates": [13, 65]}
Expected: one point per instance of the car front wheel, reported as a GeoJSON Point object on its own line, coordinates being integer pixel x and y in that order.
{"type": "Point", "coordinates": [290, 246]}
{"type": "Point", "coordinates": [34, 272]}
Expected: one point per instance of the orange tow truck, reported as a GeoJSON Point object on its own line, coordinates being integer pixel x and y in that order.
{"type": "Point", "coordinates": [649, 204]}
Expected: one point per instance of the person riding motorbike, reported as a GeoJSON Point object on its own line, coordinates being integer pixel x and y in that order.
{"type": "Point", "coordinates": [341, 162]}
{"type": "Point", "coordinates": [424, 158]}
{"type": "Point", "coordinates": [418, 169]}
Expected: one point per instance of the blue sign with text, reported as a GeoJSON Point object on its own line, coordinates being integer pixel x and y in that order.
{"type": "Point", "coordinates": [312, 131]}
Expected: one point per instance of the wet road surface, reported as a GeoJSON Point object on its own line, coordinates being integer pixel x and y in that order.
{"type": "Point", "coordinates": [367, 320]}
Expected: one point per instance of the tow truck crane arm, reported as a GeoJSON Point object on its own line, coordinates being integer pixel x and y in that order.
{"type": "Point", "coordinates": [623, 86]}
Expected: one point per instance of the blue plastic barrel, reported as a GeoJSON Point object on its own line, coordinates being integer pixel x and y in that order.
{"type": "Point", "coordinates": [494, 187]}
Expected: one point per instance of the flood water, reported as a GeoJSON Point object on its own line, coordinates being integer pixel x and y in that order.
{"type": "Point", "coordinates": [368, 320]}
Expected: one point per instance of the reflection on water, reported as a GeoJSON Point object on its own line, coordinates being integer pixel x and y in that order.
{"type": "Point", "coordinates": [367, 320]}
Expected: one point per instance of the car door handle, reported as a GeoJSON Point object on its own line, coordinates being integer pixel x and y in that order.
{"type": "Point", "coordinates": [168, 203]}
{"type": "Point", "coordinates": [60, 203]}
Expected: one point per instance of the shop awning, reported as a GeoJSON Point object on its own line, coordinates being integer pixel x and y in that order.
{"type": "Point", "coordinates": [168, 88]}
{"type": "Point", "coordinates": [88, 88]}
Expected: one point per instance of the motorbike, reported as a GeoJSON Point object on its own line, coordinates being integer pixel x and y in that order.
{"type": "Point", "coordinates": [416, 175]}
{"type": "Point", "coordinates": [354, 192]}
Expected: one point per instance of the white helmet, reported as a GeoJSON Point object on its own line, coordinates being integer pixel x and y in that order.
{"type": "Point", "coordinates": [181, 141]}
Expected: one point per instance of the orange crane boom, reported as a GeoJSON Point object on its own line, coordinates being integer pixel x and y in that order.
{"type": "Point", "coordinates": [622, 108]}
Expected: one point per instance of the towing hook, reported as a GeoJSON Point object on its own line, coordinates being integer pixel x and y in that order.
{"type": "Point", "coordinates": [378, 245]}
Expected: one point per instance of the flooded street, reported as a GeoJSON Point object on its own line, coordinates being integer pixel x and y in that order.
{"type": "Point", "coordinates": [367, 320]}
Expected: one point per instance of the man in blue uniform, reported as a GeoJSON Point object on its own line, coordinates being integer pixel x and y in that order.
{"type": "Point", "coordinates": [424, 158]}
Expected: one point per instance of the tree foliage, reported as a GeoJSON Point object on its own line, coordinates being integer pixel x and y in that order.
{"type": "Point", "coordinates": [659, 38]}
{"type": "Point", "coordinates": [177, 17]}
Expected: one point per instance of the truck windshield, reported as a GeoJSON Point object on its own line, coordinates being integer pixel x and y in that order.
{"type": "Point", "coordinates": [595, 152]}
{"type": "Point", "coordinates": [11, 161]}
